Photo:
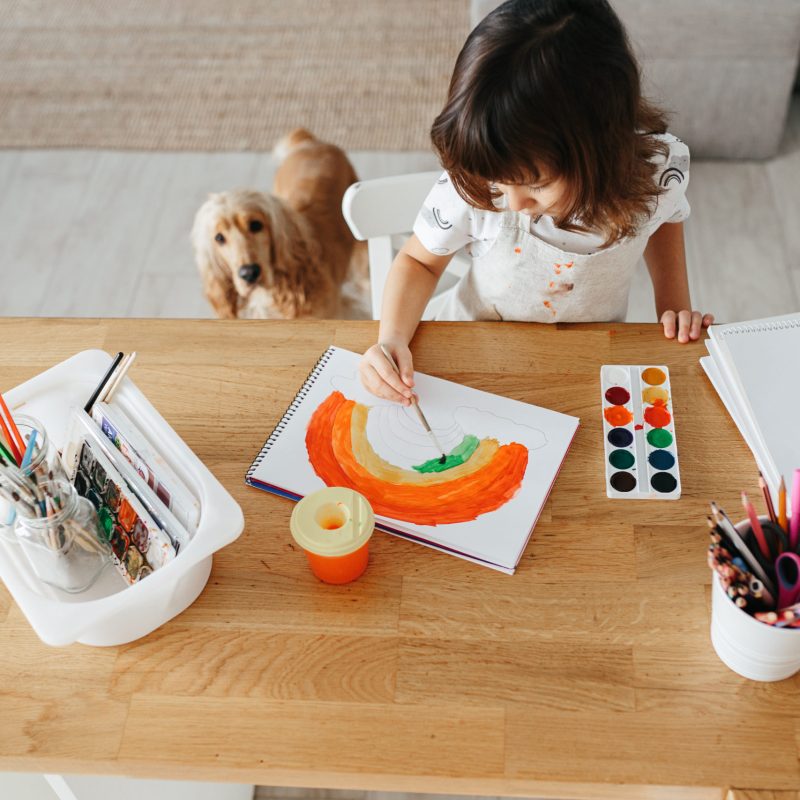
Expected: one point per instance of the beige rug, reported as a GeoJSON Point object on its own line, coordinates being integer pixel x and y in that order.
{"type": "Point", "coordinates": [224, 74]}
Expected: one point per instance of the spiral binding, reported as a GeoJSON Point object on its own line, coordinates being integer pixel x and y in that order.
{"type": "Point", "coordinates": [289, 413]}
{"type": "Point", "coordinates": [744, 327]}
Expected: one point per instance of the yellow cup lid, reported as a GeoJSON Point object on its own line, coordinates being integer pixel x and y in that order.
{"type": "Point", "coordinates": [332, 522]}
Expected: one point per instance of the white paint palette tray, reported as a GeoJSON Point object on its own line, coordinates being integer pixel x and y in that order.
{"type": "Point", "coordinates": [641, 454]}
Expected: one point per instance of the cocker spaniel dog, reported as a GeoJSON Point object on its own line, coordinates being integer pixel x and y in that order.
{"type": "Point", "coordinates": [282, 255]}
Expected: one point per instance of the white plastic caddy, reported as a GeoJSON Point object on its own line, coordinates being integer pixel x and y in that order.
{"type": "Point", "coordinates": [111, 612]}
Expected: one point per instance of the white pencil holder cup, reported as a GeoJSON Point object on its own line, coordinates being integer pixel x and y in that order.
{"type": "Point", "coordinates": [751, 648]}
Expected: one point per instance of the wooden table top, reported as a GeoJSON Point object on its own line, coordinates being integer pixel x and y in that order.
{"type": "Point", "coordinates": [589, 673]}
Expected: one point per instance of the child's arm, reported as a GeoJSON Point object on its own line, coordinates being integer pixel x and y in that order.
{"type": "Point", "coordinates": [666, 261]}
{"type": "Point", "coordinates": [412, 279]}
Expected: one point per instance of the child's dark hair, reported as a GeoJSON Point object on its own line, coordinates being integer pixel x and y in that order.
{"type": "Point", "coordinates": [553, 85]}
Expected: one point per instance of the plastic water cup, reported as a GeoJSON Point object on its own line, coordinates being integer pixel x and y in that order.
{"type": "Point", "coordinates": [334, 526]}
{"type": "Point", "coordinates": [751, 648]}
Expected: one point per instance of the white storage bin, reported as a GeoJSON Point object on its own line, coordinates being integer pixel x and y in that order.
{"type": "Point", "coordinates": [111, 612]}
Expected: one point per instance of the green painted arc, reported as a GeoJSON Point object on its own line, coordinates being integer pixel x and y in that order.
{"type": "Point", "coordinates": [458, 455]}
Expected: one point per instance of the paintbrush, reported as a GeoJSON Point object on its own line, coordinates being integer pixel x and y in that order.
{"type": "Point", "coordinates": [103, 382]}
{"type": "Point", "coordinates": [414, 403]}
{"type": "Point", "coordinates": [116, 379]}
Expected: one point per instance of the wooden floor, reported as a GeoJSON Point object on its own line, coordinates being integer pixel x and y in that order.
{"type": "Point", "coordinates": [106, 233]}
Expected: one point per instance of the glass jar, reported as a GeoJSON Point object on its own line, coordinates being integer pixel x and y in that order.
{"type": "Point", "coordinates": [66, 548]}
{"type": "Point", "coordinates": [44, 464]}
{"type": "Point", "coordinates": [7, 517]}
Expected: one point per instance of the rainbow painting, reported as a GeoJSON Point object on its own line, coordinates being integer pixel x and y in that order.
{"type": "Point", "coordinates": [478, 476]}
{"type": "Point", "coordinates": [481, 503]}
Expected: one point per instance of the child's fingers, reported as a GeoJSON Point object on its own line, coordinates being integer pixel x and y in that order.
{"type": "Point", "coordinates": [668, 321]}
{"type": "Point", "coordinates": [406, 365]}
{"type": "Point", "coordinates": [684, 323]}
{"type": "Point", "coordinates": [386, 371]}
{"type": "Point", "coordinates": [696, 325]}
{"type": "Point", "coordinates": [708, 320]}
{"type": "Point", "coordinates": [378, 361]}
{"type": "Point", "coordinates": [375, 383]}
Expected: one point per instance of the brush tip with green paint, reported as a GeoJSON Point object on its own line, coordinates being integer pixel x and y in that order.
{"type": "Point", "coordinates": [458, 455]}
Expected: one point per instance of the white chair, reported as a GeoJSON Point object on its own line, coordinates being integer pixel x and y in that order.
{"type": "Point", "coordinates": [382, 212]}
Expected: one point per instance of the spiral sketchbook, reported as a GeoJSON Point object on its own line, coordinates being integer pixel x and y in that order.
{"type": "Point", "coordinates": [481, 504]}
{"type": "Point", "coordinates": [754, 368]}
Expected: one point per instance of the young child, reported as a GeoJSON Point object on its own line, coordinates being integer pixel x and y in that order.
{"type": "Point", "coordinates": [558, 177]}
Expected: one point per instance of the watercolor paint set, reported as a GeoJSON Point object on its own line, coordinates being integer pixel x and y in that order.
{"type": "Point", "coordinates": [138, 545]}
{"type": "Point", "coordinates": [641, 455]}
{"type": "Point", "coordinates": [142, 533]}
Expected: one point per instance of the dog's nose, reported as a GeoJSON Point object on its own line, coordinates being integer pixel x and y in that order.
{"type": "Point", "coordinates": [249, 272]}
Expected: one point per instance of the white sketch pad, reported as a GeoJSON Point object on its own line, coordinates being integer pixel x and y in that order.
{"type": "Point", "coordinates": [496, 539]}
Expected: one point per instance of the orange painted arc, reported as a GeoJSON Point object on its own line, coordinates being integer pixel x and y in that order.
{"type": "Point", "coordinates": [329, 441]}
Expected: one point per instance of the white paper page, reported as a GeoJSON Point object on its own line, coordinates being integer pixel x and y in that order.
{"type": "Point", "coordinates": [765, 355]}
{"type": "Point", "coordinates": [395, 434]}
{"type": "Point", "coordinates": [731, 390]}
{"type": "Point", "coordinates": [739, 419]}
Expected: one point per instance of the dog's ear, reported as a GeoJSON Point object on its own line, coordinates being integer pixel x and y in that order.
{"type": "Point", "coordinates": [217, 281]}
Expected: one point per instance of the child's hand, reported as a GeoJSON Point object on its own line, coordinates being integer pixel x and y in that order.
{"type": "Point", "coordinates": [687, 324]}
{"type": "Point", "coordinates": [379, 377]}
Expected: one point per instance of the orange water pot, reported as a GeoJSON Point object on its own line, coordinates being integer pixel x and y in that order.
{"type": "Point", "coordinates": [334, 526]}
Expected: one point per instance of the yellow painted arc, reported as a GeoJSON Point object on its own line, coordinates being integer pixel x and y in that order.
{"type": "Point", "coordinates": [380, 468]}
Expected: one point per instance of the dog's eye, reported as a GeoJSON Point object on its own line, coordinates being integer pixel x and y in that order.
{"type": "Point", "coordinates": [256, 226]}
{"type": "Point", "coordinates": [219, 238]}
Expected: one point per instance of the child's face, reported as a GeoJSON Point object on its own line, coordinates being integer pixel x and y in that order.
{"type": "Point", "coordinates": [545, 196]}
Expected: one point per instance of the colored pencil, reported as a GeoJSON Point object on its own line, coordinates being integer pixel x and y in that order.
{"type": "Point", "coordinates": [794, 523]}
{"type": "Point", "coordinates": [758, 531]}
{"type": "Point", "coordinates": [20, 442]}
{"type": "Point", "coordinates": [782, 506]}
{"type": "Point", "coordinates": [28, 455]}
{"type": "Point", "coordinates": [15, 498]}
{"type": "Point", "coordinates": [785, 618]}
{"type": "Point", "coordinates": [767, 497]}
{"type": "Point", "coordinates": [6, 454]}
{"type": "Point", "coordinates": [736, 581]}
{"type": "Point", "coordinates": [725, 526]}
{"type": "Point", "coordinates": [734, 577]}
{"type": "Point", "coordinates": [114, 383]}
{"type": "Point", "coordinates": [12, 446]}
{"type": "Point", "coordinates": [100, 386]}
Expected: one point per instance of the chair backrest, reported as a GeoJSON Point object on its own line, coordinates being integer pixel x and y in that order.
{"type": "Point", "coordinates": [386, 206]}
{"type": "Point", "coordinates": [381, 208]}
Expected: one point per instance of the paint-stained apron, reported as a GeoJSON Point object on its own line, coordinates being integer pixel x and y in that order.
{"type": "Point", "coordinates": [524, 279]}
